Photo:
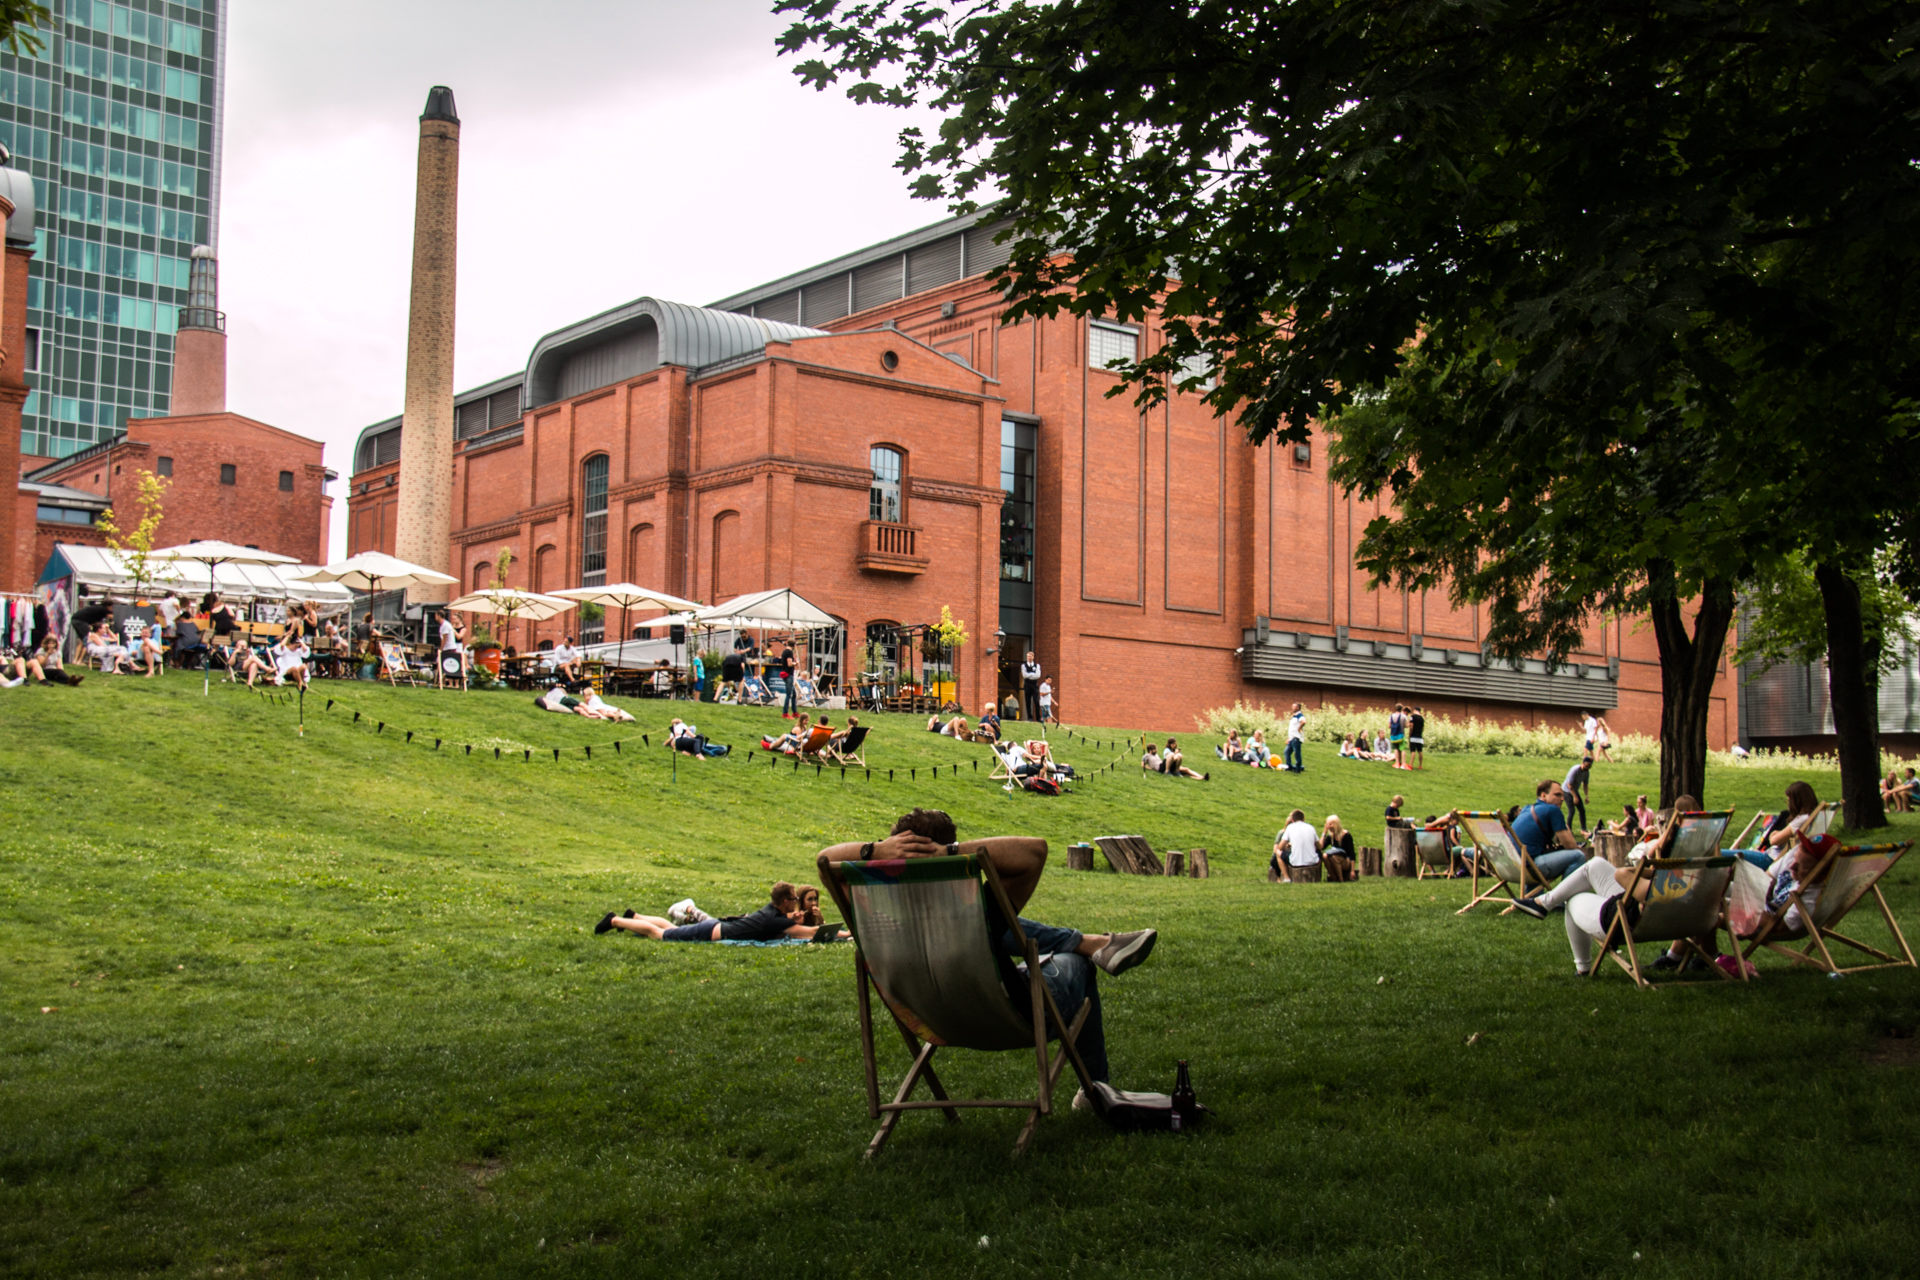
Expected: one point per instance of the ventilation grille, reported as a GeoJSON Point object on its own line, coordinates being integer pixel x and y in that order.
{"type": "Point", "coordinates": [824, 301]}
{"type": "Point", "coordinates": [875, 283]}
{"type": "Point", "coordinates": [982, 253]}
{"type": "Point", "coordinates": [933, 265]}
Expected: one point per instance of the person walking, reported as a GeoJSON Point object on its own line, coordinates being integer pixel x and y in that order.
{"type": "Point", "coordinates": [1294, 760]}
{"type": "Point", "coordinates": [1046, 703]}
{"type": "Point", "coordinates": [1576, 788]}
{"type": "Point", "coordinates": [1030, 686]}
{"type": "Point", "coordinates": [787, 667]}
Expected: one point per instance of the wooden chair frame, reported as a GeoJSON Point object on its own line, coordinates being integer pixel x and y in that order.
{"type": "Point", "coordinates": [851, 749]}
{"type": "Point", "coordinates": [1423, 870]}
{"type": "Point", "coordinates": [1645, 872]}
{"type": "Point", "coordinates": [394, 670]}
{"type": "Point", "coordinates": [1483, 857]}
{"type": "Point", "coordinates": [1752, 831]}
{"type": "Point", "coordinates": [1818, 935]}
{"type": "Point", "coordinates": [1045, 1013]}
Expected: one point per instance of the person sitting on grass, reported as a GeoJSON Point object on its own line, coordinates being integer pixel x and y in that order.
{"type": "Point", "coordinates": [1349, 750]}
{"type": "Point", "coordinates": [606, 710]}
{"type": "Point", "coordinates": [1381, 751]}
{"type": "Point", "coordinates": [688, 740]}
{"type": "Point", "coordinates": [771, 922]}
{"type": "Point", "coordinates": [809, 899]}
{"type": "Point", "coordinates": [987, 728]}
{"type": "Point", "coordinates": [1150, 759]}
{"type": "Point", "coordinates": [1896, 792]}
{"type": "Point", "coordinates": [1172, 763]}
{"type": "Point", "coordinates": [1232, 750]}
{"type": "Point", "coordinates": [1068, 956]}
{"type": "Point", "coordinates": [954, 728]}
{"type": "Point", "coordinates": [44, 664]}
{"type": "Point", "coordinates": [1257, 753]}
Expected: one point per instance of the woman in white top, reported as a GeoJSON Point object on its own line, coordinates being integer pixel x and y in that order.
{"type": "Point", "coordinates": [290, 661]}
{"type": "Point", "coordinates": [104, 649]}
{"type": "Point", "coordinates": [1601, 738]}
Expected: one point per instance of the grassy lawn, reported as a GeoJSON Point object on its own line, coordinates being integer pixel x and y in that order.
{"type": "Point", "coordinates": [331, 1005]}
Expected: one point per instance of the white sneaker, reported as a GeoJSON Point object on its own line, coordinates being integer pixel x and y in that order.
{"type": "Point", "coordinates": [14, 683]}
{"type": "Point", "coordinates": [684, 912]}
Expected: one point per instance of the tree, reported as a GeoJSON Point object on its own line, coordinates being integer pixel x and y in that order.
{"type": "Point", "coordinates": [136, 545]}
{"type": "Point", "coordinates": [1608, 277]}
{"type": "Point", "coordinates": [18, 18]}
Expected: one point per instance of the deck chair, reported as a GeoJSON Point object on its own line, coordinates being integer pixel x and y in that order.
{"type": "Point", "coordinates": [1682, 886]}
{"type": "Point", "coordinates": [1821, 820]}
{"type": "Point", "coordinates": [921, 940]}
{"type": "Point", "coordinates": [1431, 856]}
{"type": "Point", "coordinates": [1499, 855]}
{"type": "Point", "coordinates": [1844, 877]}
{"type": "Point", "coordinates": [850, 748]}
{"type": "Point", "coordinates": [1750, 834]}
{"type": "Point", "coordinates": [815, 747]}
{"type": "Point", "coordinates": [393, 664]}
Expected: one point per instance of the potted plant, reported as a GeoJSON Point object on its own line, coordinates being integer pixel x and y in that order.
{"type": "Point", "coordinates": [710, 660]}
{"type": "Point", "coordinates": [486, 650]}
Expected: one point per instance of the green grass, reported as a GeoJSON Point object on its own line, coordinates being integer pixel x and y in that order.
{"type": "Point", "coordinates": [331, 1006]}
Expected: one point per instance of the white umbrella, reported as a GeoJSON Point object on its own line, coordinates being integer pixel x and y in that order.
{"type": "Point", "coordinates": [366, 571]}
{"type": "Point", "coordinates": [624, 596]}
{"type": "Point", "coordinates": [213, 553]}
{"type": "Point", "coordinates": [782, 607]}
{"type": "Point", "coordinates": [511, 603]}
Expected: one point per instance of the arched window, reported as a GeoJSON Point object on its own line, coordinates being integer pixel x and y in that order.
{"type": "Point", "coordinates": [593, 524]}
{"type": "Point", "coordinates": [726, 555]}
{"type": "Point", "coordinates": [889, 466]}
{"type": "Point", "coordinates": [641, 556]}
{"type": "Point", "coordinates": [882, 648]}
{"type": "Point", "coordinates": [483, 575]}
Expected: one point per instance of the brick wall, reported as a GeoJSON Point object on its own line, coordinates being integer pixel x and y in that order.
{"type": "Point", "coordinates": [252, 511]}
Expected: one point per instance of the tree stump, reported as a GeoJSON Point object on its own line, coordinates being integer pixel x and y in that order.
{"type": "Point", "coordinates": [1176, 862]}
{"type": "Point", "coordinates": [1400, 857]}
{"type": "Point", "coordinates": [1197, 863]}
{"type": "Point", "coordinates": [1611, 847]}
{"type": "Point", "coordinates": [1079, 857]}
{"type": "Point", "coordinates": [1369, 861]}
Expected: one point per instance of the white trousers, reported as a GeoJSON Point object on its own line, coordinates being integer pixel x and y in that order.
{"type": "Point", "coordinates": [1582, 892]}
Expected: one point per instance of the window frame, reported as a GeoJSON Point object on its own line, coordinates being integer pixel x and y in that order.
{"type": "Point", "coordinates": [1111, 327]}
{"type": "Point", "coordinates": [593, 521]}
{"type": "Point", "coordinates": [879, 487]}
{"type": "Point", "coordinates": [229, 473]}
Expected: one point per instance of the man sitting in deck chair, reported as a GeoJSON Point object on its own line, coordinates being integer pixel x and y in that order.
{"type": "Point", "coordinates": [1067, 956]}
{"type": "Point", "coordinates": [1542, 830]}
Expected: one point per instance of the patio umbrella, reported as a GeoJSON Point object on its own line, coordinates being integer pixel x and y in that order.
{"type": "Point", "coordinates": [625, 596]}
{"type": "Point", "coordinates": [366, 571]}
{"type": "Point", "coordinates": [214, 553]}
{"type": "Point", "coordinates": [511, 603]}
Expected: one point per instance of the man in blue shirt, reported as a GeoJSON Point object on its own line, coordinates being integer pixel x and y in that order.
{"type": "Point", "coordinates": [1542, 830]}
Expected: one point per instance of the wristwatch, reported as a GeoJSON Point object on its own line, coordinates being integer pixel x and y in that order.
{"type": "Point", "coordinates": [953, 850]}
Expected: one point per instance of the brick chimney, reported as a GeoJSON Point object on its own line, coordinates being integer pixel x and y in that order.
{"type": "Point", "coordinates": [200, 346]}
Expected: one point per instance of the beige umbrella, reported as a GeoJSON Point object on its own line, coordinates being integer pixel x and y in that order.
{"type": "Point", "coordinates": [213, 553]}
{"type": "Point", "coordinates": [511, 603]}
{"type": "Point", "coordinates": [366, 571]}
{"type": "Point", "coordinates": [624, 596]}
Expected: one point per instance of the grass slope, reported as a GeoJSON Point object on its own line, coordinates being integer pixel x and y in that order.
{"type": "Point", "coordinates": [329, 1005]}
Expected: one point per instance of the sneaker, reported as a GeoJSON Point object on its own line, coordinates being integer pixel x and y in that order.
{"type": "Point", "coordinates": [1080, 1100]}
{"type": "Point", "coordinates": [1125, 950]}
{"type": "Point", "coordinates": [1667, 962]}
{"type": "Point", "coordinates": [684, 912]}
{"type": "Point", "coordinates": [1530, 906]}
{"type": "Point", "coordinates": [605, 925]}
{"type": "Point", "coordinates": [14, 683]}
{"type": "Point", "coordinates": [1694, 964]}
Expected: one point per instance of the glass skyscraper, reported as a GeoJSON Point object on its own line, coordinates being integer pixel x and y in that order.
{"type": "Point", "coordinates": [118, 120]}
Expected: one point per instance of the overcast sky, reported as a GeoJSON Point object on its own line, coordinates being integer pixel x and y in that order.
{"type": "Point", "coordinates": [609, 149]}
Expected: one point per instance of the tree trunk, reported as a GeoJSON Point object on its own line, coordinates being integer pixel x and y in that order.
{"type": "Point", "coordinates": [1688, 666]}
{"type": "Point", "coordinates": [1853, 692]}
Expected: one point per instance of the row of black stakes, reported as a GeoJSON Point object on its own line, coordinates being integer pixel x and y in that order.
{"type": "Point", "coordinates": [913, 774]}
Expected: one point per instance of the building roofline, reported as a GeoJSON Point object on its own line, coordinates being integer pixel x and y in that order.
{"type": "Point", "coordinates": [848, 261]}
{"type": "Point", "coordinates": [505, 382]}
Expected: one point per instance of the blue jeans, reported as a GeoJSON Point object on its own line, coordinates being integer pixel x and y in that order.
{"type": "Point", "coordinates": [789, 706]}
{"type": "Point", "coordinates": [1292, 758]}
{"type": "Point", "coordinates": [1755, 856]}
{"type": "Point", "coordinates": [1557, 863]}
{"type": "Point", "coordinates": [1070, 980]}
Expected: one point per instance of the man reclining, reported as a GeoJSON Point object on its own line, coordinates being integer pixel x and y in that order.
{"type": "Point", "coordinates": [1068, 957]}
{"type": "Point", "coordinates": [780, 918]}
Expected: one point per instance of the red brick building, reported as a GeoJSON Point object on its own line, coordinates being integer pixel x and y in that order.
{"type": "Point", "coordinates": [228, 477]}
{"type": "Point", "coordinates": [868, 432]}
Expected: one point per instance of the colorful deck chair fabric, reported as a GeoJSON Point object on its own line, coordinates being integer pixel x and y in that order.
{"type": "Point", "coordinates": [814, 748]}
{"type": "Point", "coordinates": [1750, 836]}
{"type": "Point", "coordinates": [393, 664]}
{"type": "Point", "coordinates": [1681, 889]}
{"type": "Point", "coordinates": [1499, 855]}
{"type": "Point", "coordinates": [921, 937]}
{"type": "Point", "coordinates": [1813, 912]}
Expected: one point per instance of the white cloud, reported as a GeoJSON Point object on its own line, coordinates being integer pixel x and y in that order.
{"type": "Point", "coordinates": [609, 150]}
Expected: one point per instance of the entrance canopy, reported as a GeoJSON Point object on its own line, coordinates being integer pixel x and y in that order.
{"type": "Point", "coordinates": [782, 608]}
{"type": "Point", "coordinates": [103, 571]}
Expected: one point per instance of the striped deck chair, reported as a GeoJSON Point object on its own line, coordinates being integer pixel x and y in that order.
{"type": "Point", "coordinates": [1750, 835]}
{"type": "Point", "coordinates": [1843, 878]}
{"type": "Point", "coordinates": [1499, 855]}
{"type": "Point", "coordinates": [1431, 856]}
{"type": "Point", "coordinates": [920, 934]}
{"type": "Point", "coordinates": [393, 664]}
{"type": "Point", "coordinates": [1682, 888]}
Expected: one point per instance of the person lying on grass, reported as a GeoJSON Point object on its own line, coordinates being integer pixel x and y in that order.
{"type": "Point", "coordinates": [688, 740]}
{"type": "Point", "coordinates": [605, 710]}
{"type": "Point", "coordinates": [558, 699]}
{"type": "Point", "coordinates": [954, 728]}
{"type": "Point", "coordinates": [1069, 956]}
{"type": "Point", "coordinates": [778, 919]}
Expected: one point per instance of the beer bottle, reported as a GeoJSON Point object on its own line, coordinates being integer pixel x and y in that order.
{"type": "Point", "coordinates": [1185, 1104]}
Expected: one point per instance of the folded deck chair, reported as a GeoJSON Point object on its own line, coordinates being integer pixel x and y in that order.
{"type": "Point", "coordinates": [1846, 875]}
{"type": "Point", "coordinates": [1432, 857]}
{"type": "Point", "coordinates": [1499, 855]}
{"type": "Point", "coordinates": [1682, 887]}
{"type": "Point", "coordinates": [849, 750]}
{"type": "Point", "coordinates": [921, 939]}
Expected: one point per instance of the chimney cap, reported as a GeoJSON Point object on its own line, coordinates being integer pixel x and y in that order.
{"type": "Point", "coordinates": [202, 251]}
{"type": "Point", "coordinates": [440, 105]}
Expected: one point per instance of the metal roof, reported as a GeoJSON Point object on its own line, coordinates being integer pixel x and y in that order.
{"type": "Point", "coordinates": [687, 336]}
{"type": "Point", "coordinates": [893, 248]}
{"type": "Point", "coordinates": [460, 397]}
{"type": "Point", "coordinates": [60, 495]}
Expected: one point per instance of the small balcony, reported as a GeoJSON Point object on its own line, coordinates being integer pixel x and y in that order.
{"type": "Point", "coordinates": [890, 548]}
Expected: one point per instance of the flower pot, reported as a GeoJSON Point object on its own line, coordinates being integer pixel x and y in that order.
{"type": "Point", "coordinates": [489, 658]}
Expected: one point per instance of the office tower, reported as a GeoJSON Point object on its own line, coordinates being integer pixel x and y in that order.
{"type": "Point", "coordinates": [118, 119]}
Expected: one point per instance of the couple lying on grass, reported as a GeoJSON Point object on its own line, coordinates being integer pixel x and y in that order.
{"type": "Point", "coordinates": [789, 913]}
{"type": "Point", "coordinates": [1068, 957]}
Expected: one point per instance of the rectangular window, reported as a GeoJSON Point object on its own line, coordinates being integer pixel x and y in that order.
{"type": "Point", "coordinates": [883, 500]}
{"type": "Point", "coordinates": [163, 465]}
{"type": "Point", "coordinates": [183, 39]}
{"type": "Point", "coordinates": [226, 473]}
{"type": "Point", "coordinates": [1017, 507]}
{"type": "Point", "coordinates": [286, 482]}
{"type": "Point", "coordinates": [593, 527]}
{"type": "Point", "coordinates": [1107, 343]}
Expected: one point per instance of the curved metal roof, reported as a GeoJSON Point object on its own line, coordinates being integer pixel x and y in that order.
{"type": "Point", "coordinates": [688, 336]}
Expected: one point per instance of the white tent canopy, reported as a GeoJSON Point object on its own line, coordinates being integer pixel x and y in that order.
{"type": "Point", "coordinates": [103, 572]}
{"type": "Point", "coordinates": [782, 608]}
